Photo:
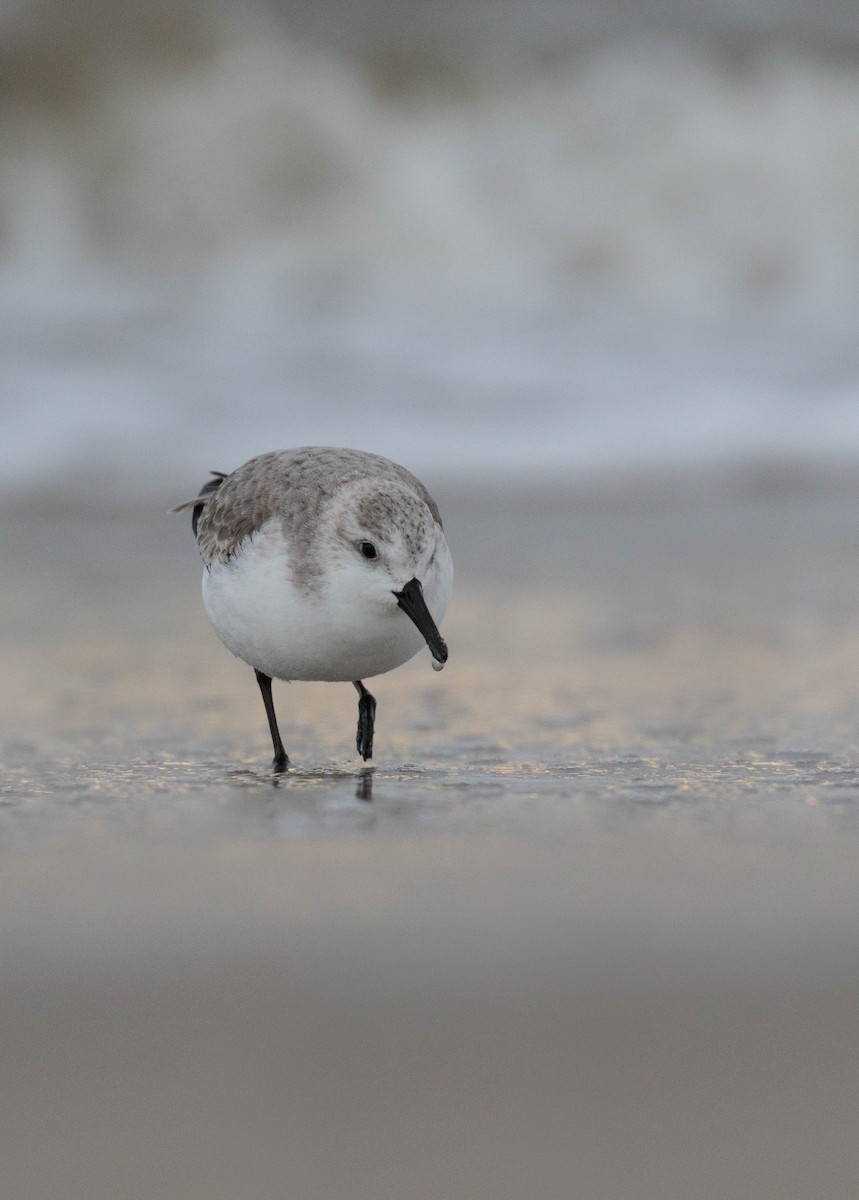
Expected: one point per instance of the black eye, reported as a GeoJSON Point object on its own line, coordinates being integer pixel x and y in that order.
{"type": "Point", "coordinates": [368, 550]}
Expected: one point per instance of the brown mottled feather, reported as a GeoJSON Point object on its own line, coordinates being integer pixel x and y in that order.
{"type": "Point", "coordinates": [292, 485]}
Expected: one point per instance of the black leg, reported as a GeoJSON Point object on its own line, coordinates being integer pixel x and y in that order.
{"type": "Point", "coordinates": [366, 721]}
{"type": "Point", "coordinates": [281, 762]}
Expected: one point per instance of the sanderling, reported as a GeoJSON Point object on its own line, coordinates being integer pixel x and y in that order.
{"type": "Point", "coordinates": [322, 564]}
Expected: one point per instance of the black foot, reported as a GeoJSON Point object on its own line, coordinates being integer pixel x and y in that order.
{"type": "Point", "coordinates": [281, 761]}
{"type": "Point", "coordinates": [366, 721]}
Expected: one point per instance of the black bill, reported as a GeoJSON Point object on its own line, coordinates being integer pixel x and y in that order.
{"type": "Point", "coordinates": [411, 601]}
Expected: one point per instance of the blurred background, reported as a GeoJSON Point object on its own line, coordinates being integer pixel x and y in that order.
{"type": "Point", "coordinates": [565, 238]}
{"type": "Point", "coordinates": [596, 934]}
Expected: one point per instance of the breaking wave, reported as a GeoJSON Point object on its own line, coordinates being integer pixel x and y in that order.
{"type": "Point", "coordinates": [660, 169]}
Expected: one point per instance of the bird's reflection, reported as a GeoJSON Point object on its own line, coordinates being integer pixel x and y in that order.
{"type": "Point", "coordinates": [363, 783]}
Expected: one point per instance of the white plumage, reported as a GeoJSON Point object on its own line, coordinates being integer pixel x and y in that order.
{"type": "Point", "coordinates": [323, 564]}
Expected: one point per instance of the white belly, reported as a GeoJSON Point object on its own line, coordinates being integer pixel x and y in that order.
{"type": "Point", "coordinates": [326, 634]}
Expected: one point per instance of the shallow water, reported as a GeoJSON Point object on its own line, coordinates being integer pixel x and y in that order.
{"type": "Point", "coordinates": [659, 639]}
{"type": "Point", "coordinates": [588, 927]}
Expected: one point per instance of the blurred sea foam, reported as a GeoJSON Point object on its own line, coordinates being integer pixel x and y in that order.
{"type": "Point", "coordinates": [523, 238]}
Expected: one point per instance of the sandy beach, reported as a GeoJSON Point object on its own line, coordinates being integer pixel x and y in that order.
{"type": "Point", "coordinates": [588, 928]}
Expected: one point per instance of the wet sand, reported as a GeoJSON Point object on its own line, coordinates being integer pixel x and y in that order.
{"type": "Point", "coordinates": [588, 928]}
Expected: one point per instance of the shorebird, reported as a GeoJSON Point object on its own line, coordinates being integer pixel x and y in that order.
{"type": "Point", "coordinates": [322, 564]}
